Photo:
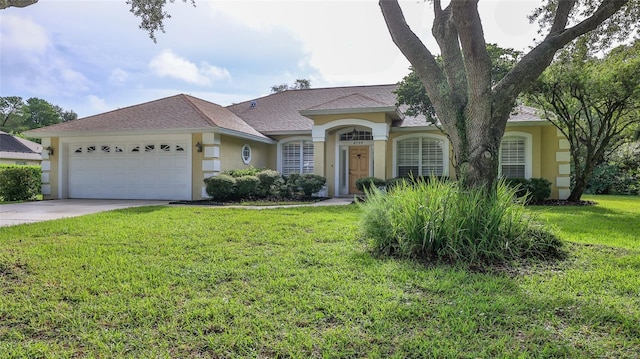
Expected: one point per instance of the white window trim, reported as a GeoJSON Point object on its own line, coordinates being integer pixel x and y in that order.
{"type": "Point", "coordinates": [246, 160]}
{"type": "Point", "coordinates": [286, 141]}
{"type": "Point", "coordinates": [445, 150]}
{"type": "Point", "coordinates": [528, 152]}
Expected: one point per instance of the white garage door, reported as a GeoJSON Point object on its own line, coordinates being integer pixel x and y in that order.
{"type": "Point", "coordinates": [141, 169]}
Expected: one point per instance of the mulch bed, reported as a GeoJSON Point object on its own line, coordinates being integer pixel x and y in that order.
{"type": "Point", "coordinates": [562, 202]}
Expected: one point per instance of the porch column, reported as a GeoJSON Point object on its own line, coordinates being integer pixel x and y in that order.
{"type": "Point", "coordinates": [318, 158]}
{"type": "Point", "coordinates": [380, 159]}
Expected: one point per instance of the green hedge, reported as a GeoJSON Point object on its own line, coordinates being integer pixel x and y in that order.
{"type": "Point", "coordinates": [20, 183]}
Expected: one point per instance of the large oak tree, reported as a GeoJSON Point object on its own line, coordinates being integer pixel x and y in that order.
{"type": "Point", "coordinates": [474, 112]}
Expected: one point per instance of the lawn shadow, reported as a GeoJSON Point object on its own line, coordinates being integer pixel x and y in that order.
{"type": "Point", "coordinates": [519, 305]}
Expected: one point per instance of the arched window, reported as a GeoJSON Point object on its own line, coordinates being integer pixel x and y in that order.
{"type": "Point", "coordinates": [421, 156]}
{"type": "Point", "coordinates": [296, 156]}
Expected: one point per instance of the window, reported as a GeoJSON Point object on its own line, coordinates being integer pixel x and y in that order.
{"type": "Point", "coordinates": [91, 149]}
{"type": "Point", "coordinates": [165, 148]}
{"type": "Point", "coordinates": [297, 157]}
{"type": "Point", "coordinates": [246, 154]}
{"type": "Point", "coordinates": [356, 135]}
{"type": "Point", "coordinates": [149, 148]}
{"type": "Point", "coordinates": [179, 148]}
{"type": "Point", "coordinates": [420, 156]}
{"type": "Point", "coordinates": [513, 157]}
{"type": "Point", "coordinates": [105, 148]}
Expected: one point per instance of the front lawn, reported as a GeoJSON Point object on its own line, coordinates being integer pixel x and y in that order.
{"type": "Point", "coordinates": [186, 282]}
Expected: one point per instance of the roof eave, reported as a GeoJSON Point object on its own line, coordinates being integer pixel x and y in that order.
{"type": "Point", "coordinates": [129, 132]}
{"type": "Point", "coordinates": [225, 131]}
{"type": "Point", "coordinates": [339, 111]}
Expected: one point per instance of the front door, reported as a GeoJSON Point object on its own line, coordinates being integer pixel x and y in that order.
{"type": "Point", "coordinates": [358, 165]}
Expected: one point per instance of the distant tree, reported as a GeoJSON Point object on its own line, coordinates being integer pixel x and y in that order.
{"type": "Point", "coordinates": [298, 84]}
{"type": "Point", "coordinates": [594, 102]}
{"type": "Point", "coordinates": [12, 110]}
{"type": "Point", "coordinates": [19, 116]}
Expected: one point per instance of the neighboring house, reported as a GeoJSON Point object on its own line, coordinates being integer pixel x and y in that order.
{"type": "Point", "coordinates": [164, 149]}
{"type": "Point", "coordinates": [18, 151]}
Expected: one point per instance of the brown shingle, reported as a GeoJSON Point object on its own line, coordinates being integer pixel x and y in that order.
{"type": "Point", "coordinates": [280, 112]}
{"type": "Point", "coordinates": [175, 112]}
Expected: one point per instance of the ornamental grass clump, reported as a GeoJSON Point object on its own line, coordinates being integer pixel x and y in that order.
{"type": "Point", "coordinates": [441, 220]}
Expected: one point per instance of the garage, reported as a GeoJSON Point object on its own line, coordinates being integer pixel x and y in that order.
{"type": "Point", "coordinates": [123, 168]}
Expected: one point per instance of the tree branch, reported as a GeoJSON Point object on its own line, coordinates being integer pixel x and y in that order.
{"type": "Point", "coordinates": [538, 59]}
{"type": "Point", "coordinates": [445, 32]}
{"type": "Point", "coordinates": [413, 49]}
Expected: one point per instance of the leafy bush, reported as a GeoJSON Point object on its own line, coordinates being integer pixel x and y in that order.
{"type": "Point", "coordinates": [268, 179]}
{"type": "Point", "coordinates": [249, 171]}
{"type": "Point", "coordinates": [19, 183]}
{"type": "Point", "coordinates": [533, 190]}
{"type": "Point", "coordinates": [620, 174]}
{"type": "Point", "coordinates": [309, 183]}
{"type": "Point", "coordinates": [367, 182]}
{"type": "Point", "coordinates": [246, 186]}
{"type": "Point", "coordinates": [539, 189]}
{"type": "Point", "coordinates": [221, 187]}
{"type": "Point", "coordinates": [440, 220]}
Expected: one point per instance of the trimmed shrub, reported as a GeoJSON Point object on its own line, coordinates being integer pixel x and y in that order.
{"type": "Point", "coordinates": [534, 190]}
{"type": "Point", "coordinates": [221, 188]}
{"type": "Point", "coordinates": [246, 186]}
{"type": "Point", "coordinates": [309, 183]}
{"type": "Point", "coordinates": [20, 183]}
{"type": "Point", "coordinates": [539, 189]}
{"type": "Point", "coordinates": [442, 221]}
{"type": "Point", "coordinates": [520, 185]}
{"type": "Point", "coordinates": [367, 182]}
{"type": "Point", "coordinates": [267, 180]}
{"type": "Point", "coordinates": [249, 171]}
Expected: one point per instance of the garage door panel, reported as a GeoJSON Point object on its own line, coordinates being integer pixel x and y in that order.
{"type": "Point", "coordinates": [137, 170]}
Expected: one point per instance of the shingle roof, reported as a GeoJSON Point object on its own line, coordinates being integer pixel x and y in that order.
{"type": "Point", "coordinates": [9, 143]}
{"type": "Point", "coordinates": [12, 147]}
{"type": "Point", "coordinates": [175, 112]}
{"type": "Point", "coordinates": [280, 112]}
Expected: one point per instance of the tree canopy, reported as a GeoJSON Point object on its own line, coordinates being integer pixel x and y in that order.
{"type": "Point", "coordinates": [19, 115]}
{"type": "Point", "coordinates": [594, 102]}
{"type": "Point", "coordinates": [298, 84]}
{"type": "Point", "coordinates": [472, 109]}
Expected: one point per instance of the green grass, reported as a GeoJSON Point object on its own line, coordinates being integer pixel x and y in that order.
{"type": "Point", "coordinates": [186, 282]}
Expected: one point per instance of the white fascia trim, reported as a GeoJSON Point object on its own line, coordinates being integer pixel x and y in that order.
{"type": "Point", "coordinates": [246, 136]}
{"type": "Point", "coordinates": [340, 111]}
{"type": "Point", "coordinates": [415, 129]}
{"type": "Point", "coordinates": [528, 152]}
{"type": "Point", "coordinates": [379, 131]}
{"type": "Point", "coordinates": [122, 132]}
{"type": "Point", "coordinates": [20, 156]}
{"type": "Point", "coordinates": [287, 133]}
{"type": "Point", "coordinates": [285, 141]}
{"type": "Point", "coordinates": [445, 150]}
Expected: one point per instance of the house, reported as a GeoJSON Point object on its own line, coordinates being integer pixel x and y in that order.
{"type": "Point", "coordinates": [163, 149]}
{"type": "Point", "coordinates": [19, 151]}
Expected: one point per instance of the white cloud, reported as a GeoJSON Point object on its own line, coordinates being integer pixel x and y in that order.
{"type": "Point", "coordinates": [97, 104]}
{"type": "Point", "coordinates": [23, 35]}
{"type": "Point", "coordinates": [118, 76]}
{"type": "Point", "coordinates": [168, 64]}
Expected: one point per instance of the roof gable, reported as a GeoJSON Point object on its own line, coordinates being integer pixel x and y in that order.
{"type": "Point", "coordinates": [171, 113]}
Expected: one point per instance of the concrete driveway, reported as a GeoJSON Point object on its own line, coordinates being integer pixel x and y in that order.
{"type": "Point", "coordinates": [30, 212]}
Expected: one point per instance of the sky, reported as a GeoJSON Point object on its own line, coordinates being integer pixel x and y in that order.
{"type": "Point", "coordinates": [90, 56]}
